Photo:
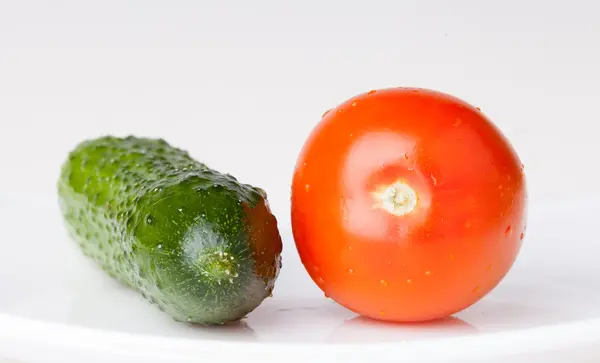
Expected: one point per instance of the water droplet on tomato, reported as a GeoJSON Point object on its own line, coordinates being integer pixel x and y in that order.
{"type": "Point", "coordinates": [382, 313]}
{"type": "Point", "coordinates": [508, 229]}
{"type": "Point", "coordinates": [307, 187]}
{"type": "Point", "coordinates": [451, 257]}
{"type": "Point", "coordinates": [350, 271]}
{"type": "Point", "coordinates": [476, 288]}
{"type": "Point", "coordinates": [522, 236]}
{"type": "Point", "coordinates": [427, 272]}
{"type": "Point", "coordinates": [384, 283]}
{"type": "Point", "coordinates": [409, 281]}
{"type": "Point", "coordinates": [325, 113]}
{"type": "Point", "coordinates": [489, 267]}
{"type": "Point", "coordinates": [371, 92]}
{"type": "Point", "coordinates": [478, 109]}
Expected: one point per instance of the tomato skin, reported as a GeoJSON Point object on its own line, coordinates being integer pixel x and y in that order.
{"type": "Point", "coordinates": [462, 235]}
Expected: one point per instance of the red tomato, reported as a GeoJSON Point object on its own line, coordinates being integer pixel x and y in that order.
{"type": "Point", "coordinates": [407, 205]}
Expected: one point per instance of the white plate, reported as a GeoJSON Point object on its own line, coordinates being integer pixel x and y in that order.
{"type": "Point", "coordinates": [57, 306]}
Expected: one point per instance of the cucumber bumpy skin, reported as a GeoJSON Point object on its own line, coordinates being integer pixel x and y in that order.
{"type": "Point", "coordinates": [201, 245]}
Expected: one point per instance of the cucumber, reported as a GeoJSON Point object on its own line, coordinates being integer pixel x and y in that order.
{"type": "Point", "coordinates": [199, 244]}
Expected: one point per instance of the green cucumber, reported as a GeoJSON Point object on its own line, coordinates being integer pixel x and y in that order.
{"type": "Point", "coordinates": [199, 244]}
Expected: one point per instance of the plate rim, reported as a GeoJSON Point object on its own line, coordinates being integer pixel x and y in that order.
{"type": "Point", "coordinates": [68, 337]}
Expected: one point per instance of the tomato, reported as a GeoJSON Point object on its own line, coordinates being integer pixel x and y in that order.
{"type": "Point", "coordinates": [407, 205]}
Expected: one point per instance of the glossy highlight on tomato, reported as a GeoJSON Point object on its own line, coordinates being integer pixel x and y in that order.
{"type": "Point", "coordinates": [407, 204]}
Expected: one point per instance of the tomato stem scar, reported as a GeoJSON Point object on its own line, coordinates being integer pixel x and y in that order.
{"type": "Point", "coordinates": [398, 199]}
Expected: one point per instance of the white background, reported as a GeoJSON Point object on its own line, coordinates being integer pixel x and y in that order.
{"type": "Point", "coordinates": [240, 84]}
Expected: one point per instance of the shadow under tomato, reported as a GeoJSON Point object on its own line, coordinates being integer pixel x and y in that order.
{"type": "Point", "coordinates": [361, 329]}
